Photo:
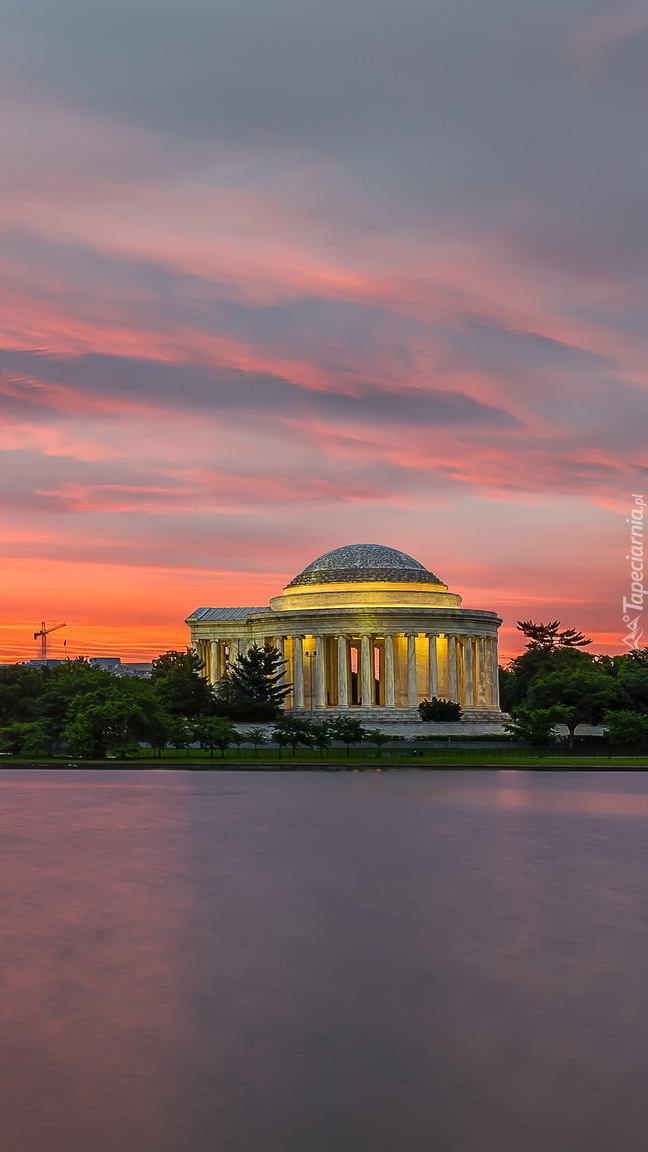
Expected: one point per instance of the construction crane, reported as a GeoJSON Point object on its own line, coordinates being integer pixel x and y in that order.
{"type": "Point", "coordinates": [44, 633]}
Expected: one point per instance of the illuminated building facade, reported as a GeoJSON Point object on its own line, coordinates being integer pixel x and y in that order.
{"type": "Point", "coordinates": [366, 631]}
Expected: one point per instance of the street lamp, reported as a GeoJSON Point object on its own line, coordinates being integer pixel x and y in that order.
{"type": "Point", "coordinates": [311, 656]}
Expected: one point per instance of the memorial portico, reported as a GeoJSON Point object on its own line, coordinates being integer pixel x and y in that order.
{"type": "Point", "coordinates": [367, 631]}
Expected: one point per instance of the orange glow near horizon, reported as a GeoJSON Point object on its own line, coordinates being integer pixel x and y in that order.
{"type": "Point", "coordinates": [136, 612]}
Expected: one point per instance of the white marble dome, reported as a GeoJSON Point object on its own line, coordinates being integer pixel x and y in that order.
{"type": "Point", "coordinates": [365, 563]}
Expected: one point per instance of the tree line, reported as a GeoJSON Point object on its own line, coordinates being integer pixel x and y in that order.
{"type": "Point", "coordinates": [80, 709]}
{"type": "Point", "coordinates": [555, 681]}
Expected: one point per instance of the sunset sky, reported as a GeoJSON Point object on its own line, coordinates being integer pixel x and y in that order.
{"type": "Point", "coordinates": [282, 275]}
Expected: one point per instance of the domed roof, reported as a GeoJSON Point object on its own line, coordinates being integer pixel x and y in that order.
{"type": "Point", "coordinates": [360, 563]}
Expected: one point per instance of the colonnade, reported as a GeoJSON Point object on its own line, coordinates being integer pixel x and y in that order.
{"type": "Point", "coordinates": [389, 670]}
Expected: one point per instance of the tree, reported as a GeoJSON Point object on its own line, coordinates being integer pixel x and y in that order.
{"type": "Point", "coordinates": [322, 736]}
{"type": "Point", "coordinates": [224, 734]}
{"type": "Point", "coordinates": [97, 728]}
{"type": "Point", "coordinates": [629, 729]}
{"type": "Point", "coordinates": [547, 650]}
{"type": "Point", "coordinates": [584, 693]}
{"type": "Point", "coordinates": [176, 660]}
{"type": "Point", "coordinates": [181, 734]}
{"type": "Point", "coordinates": [214, 732]}
{"type": "Point", "coordinates": [179, 685]}
{"type": "Point", "coordinates": [509, 688]}
{"type": "Point", "coordinates": [281, 738]}
{"type": "Point", "coordinates": [115, 720]}
{"type": "Point", "coordinates": [237, 738]}
{"type": "Point", "coordinates": [161, 729]}
{"type": "Point", "coordinates": [348, 730]}
{"type": "Point", "coordinates": [21, 689]}
{"type": "Point", "coordinates": [27, 738]}
{"type": "Point", "coordinates": [376, 737]}
{"type": "Point", "coordinates": [632, 676]}
{"type": "Point", "coordinates": [65, 685]}
{"type": "Point", "coordinates": [537, 726]}
{"type": "Point", "coordinates": [548, 637]}
{"type": "Point", "coordinates": [228, 702]}
{"type": "Point", "coordinates": [258, 675]}
{"type": "Point", "coordinates": [439, 710]}
{"type": "Point", "coordinates": [257, 737]}
{"type": "Point", "coordinates": [293, 731]}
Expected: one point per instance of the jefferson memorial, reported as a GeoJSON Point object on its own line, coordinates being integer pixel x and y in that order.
{"type": "Point", "coordinates": [366, 631]}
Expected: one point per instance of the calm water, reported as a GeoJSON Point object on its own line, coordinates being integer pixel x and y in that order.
{"type": "Point", "coordinates": [301, 963]}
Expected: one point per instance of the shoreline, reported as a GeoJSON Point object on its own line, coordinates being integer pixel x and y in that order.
{"type": "Point", "coordinates": [548, 764]}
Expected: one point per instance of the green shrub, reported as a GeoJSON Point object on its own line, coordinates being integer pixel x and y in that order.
{"type": "Point", "coordinates": [439, 710]}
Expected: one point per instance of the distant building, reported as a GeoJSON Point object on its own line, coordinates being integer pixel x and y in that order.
{"type": "Point", "coordinates": [367, 631]}
{"type": "Point", "coordinates": [108, 663]}
{"type": "Point", "coordinates": [112, 664]}
{"type": "Point", "coordinates": [117, 667]}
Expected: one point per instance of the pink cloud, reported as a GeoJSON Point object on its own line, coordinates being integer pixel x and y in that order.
{"type": "Point", "coordinates": [612, 23]}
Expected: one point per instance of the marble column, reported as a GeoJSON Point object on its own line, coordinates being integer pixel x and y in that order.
{"type": "Point", "coordinates": [412, 693]}
{"type": "Point", "coordinates": [343, 672]}
{"type": "Point", "coordinates": [320, 673]}
{"type": "Point", "coordinates": [280, 646]}
{"type": "Point", "coordinates": [452, 667]}
{"type": "Point", "coordinates": [366, 653]}
{"type": "Point", "coordinates": [390, 695]}
{"type": "Point", "coordinates": [214, 662]}
{"type": "Point", "coordinates": [433, 668]}
{"type": "Point", "coordinates": [298, 671]}
{"type": "Point", "coordinates": [494, 699]}
{"type": "Point", "coordinates": [488, 664]}
{"type": "Point", "coordinates": [469, 673]}
{"type": "Point", "coordinates": [481, 679]}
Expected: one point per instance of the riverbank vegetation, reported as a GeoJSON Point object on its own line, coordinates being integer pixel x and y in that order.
{"type": "Point", "coordinates": [79, 710]}
{"type": "Point", "coordinates": [556, 682]}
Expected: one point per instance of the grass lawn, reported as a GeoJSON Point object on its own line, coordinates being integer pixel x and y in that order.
{"type": "Point", "coordinates": [337, 759]}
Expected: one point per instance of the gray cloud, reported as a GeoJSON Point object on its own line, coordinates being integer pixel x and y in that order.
{"type": "Point", "coordinates": [235, 391]}
{"type": "Point", "coordinates": [473, 102]}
